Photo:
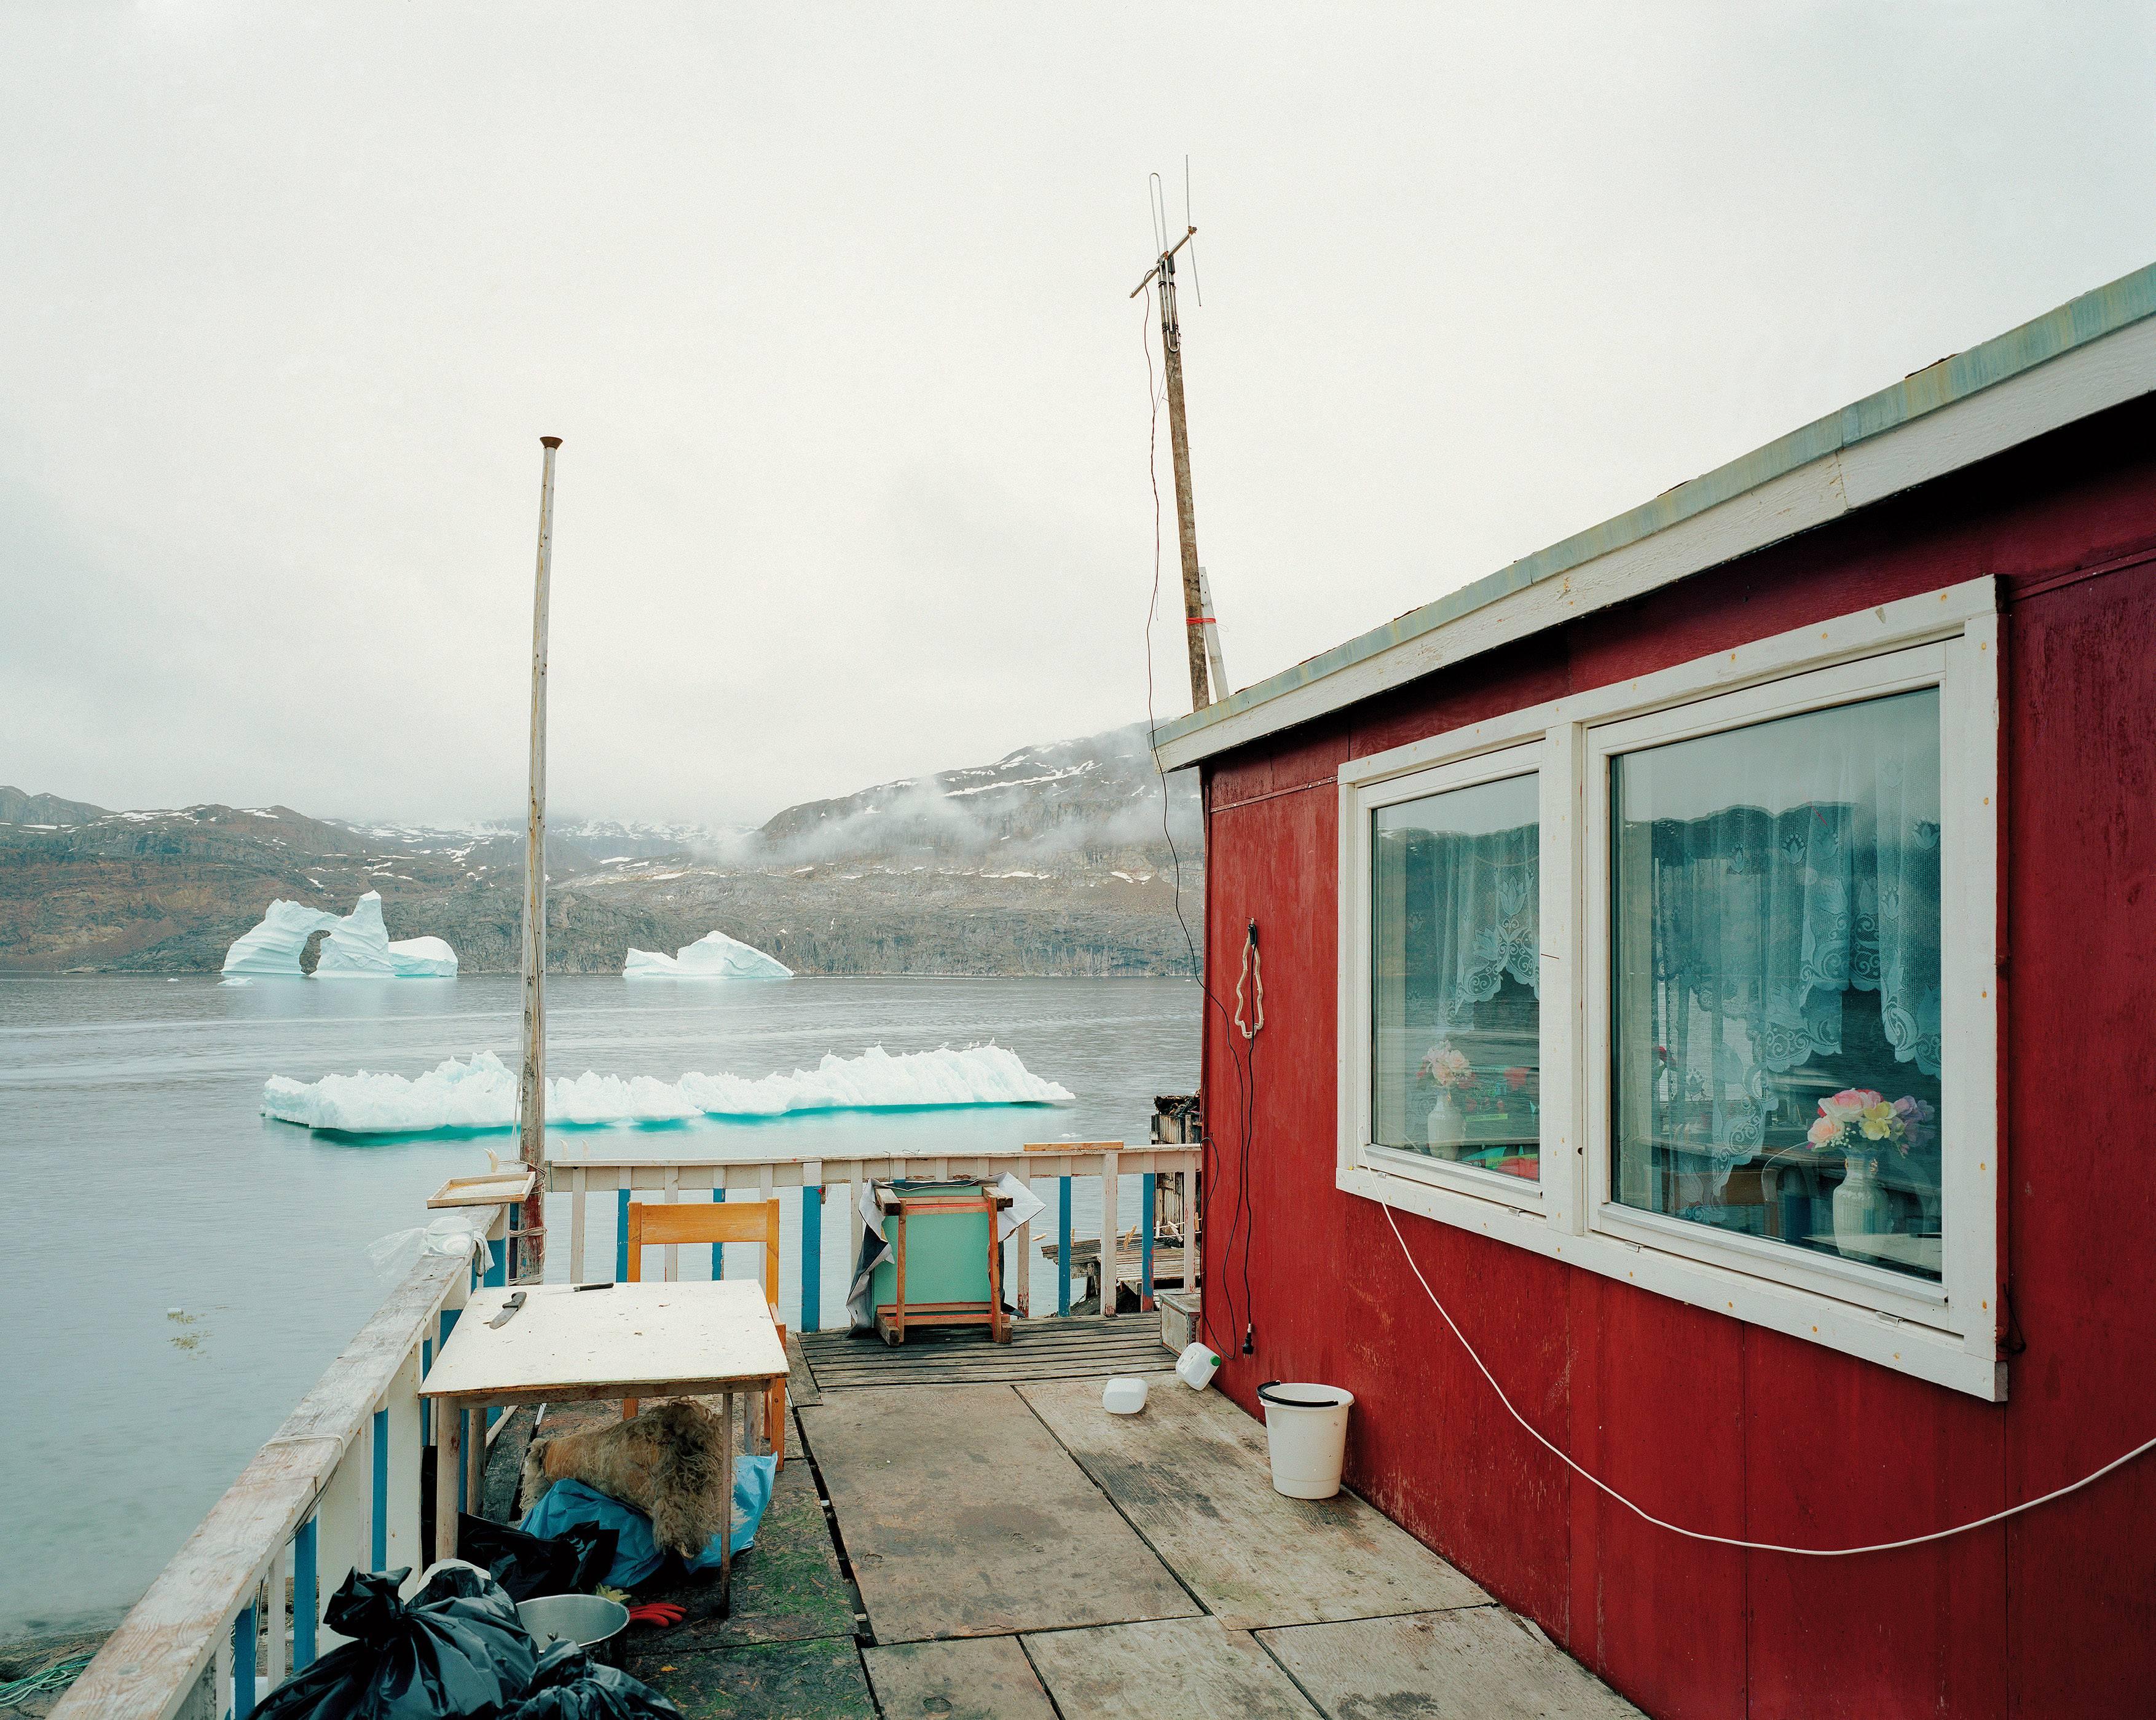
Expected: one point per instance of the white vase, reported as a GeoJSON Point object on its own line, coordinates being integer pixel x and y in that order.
{"type": "Point", "coordinates": [1860, 1207]}
{"type": "Point", "coordinates": [1448, 1128]}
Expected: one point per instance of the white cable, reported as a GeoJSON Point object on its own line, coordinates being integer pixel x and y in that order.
{"type": "Point", "coordinates": [1729, 1540]}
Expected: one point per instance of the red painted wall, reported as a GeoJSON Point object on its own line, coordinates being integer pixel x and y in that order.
{"type": "Point", "coordinates": [1710, 1423]}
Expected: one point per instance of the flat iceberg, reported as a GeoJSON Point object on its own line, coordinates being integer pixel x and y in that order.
{"type": "Point", "coordinates": [714, 955]}
{"type": "Point", "coordinates": [358, 945]}
{"type": "Point", "coordinates": [480, 1093]}
{"type": "Point", "coordinates": [422, 959]}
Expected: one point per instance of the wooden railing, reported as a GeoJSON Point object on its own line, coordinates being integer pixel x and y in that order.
{"type": "Point", "coordinates": [335, 1488]}
{"type": "Point", "coordinates": [600, 1170]}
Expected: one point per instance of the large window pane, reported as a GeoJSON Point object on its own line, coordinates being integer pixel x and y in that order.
{"type": "Point", "coordinates": [1455, 1022]}
{"type": "Point", "coordinates": [1774, 910]}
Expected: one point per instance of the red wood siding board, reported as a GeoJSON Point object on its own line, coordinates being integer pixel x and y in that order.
{"type": "Point", "coordinates": [1441, 1454]}
{"type": "Point", "coordinates": [1526, 672]}
{"type": "Point", "coordinates": [1839, 1454]}
{"type": "Point", "coordinates": [1661, 1618]}
{"type": "Point", "coordinates": [2082, 913]}
{"type": "Point", "coordinates": [1707, 1421]}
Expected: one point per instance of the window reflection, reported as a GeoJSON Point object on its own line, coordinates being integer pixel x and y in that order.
{"type": "Point", "coordinates": [1456, 1011]}
{"type": "Point", "coordinates": [1774, 907]}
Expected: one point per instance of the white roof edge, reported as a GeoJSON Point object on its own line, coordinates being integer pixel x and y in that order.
{"type": "Point", "coordinates": [2094, 352]}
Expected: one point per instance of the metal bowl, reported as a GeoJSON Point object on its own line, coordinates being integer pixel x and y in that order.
{"type": "Point", "coordinates": [591, 1621]}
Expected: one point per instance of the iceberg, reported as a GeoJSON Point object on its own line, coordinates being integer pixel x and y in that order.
{"type": "Point", "coordinates": [274, 947]}
{"type": "Point", "coordinates": [714, 955]}
{"type": "Point", "coordinates": [422, 959]}
{"type": "Point", "coordinates": [358, 945]}
{"type": "Point", "coordinates": [359, 948]}
{"type": "Point", "coordinates": [480, 1093]}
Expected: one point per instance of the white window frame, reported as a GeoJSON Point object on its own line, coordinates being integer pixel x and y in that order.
{"type": "Point", "coordinates": [1944, 1333]}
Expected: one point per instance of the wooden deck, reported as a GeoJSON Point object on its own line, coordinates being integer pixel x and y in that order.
{"type": "Point", "coordinates": [1082, 1348]}
{"type": "Point", "coordinates": [996, 1544]}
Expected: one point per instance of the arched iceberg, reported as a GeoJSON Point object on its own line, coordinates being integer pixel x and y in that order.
{"type": "Point", "coordinates": [358, 945]}
{"type": "Point", "coordinates": [481, 1093]}
{"type": "Point", "coordinates": [274, 947]}
{"type": "Point", "coordinates": [714, 955]}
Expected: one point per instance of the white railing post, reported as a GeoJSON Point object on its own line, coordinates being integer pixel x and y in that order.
{"type": "Point", "coordinates": [1110, 1163]}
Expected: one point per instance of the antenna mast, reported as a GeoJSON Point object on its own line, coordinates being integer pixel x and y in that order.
{"type": "Point", "coordinates": [1195, 612]}
{"type": "Point", "coordinates": [530, 1261]}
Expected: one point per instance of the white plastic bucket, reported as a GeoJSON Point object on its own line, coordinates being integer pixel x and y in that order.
{"type": "Point", "coordinates": [1307, 1433]}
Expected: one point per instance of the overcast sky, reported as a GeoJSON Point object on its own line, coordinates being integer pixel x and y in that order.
{"type": "Point", "coordinates": [830, 304]}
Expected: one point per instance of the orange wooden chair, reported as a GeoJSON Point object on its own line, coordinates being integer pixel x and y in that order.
{"type": "Point", "coordinates": [651, 1223]}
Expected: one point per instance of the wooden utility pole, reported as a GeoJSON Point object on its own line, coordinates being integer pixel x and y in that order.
{"type": "Point", "coordinates": [1194, 612]}
{"type": "Point", "coordinates": [531, 1258]}
{"type": "Point", "coordinates": [1215, 656]}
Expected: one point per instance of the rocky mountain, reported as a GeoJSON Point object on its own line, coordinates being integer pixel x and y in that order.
{"type": "Point", "coordinates": [17, 808]}
{"type": "Point", "coordinates": [1051, 860]}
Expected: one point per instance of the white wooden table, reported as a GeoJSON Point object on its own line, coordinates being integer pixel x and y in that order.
{"type": "Point", "coordinates": [567, 1345]}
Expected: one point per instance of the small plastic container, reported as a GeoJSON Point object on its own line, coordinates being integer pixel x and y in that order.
{"type": "Point", "coordinates": [1197, 1365]}
{"type": "Point", "coordinates": [1125, 1395]}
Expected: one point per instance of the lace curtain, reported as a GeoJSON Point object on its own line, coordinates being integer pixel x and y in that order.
{"type": "Point", "coordinates": [1761, 922]}
{"type": "Point", "coordinates": [1455, 914]}
{"type": "Point", "coordinates": [1478, 919]}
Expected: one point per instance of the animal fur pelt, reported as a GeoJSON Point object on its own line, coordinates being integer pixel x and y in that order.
{"type": "Point", "coordinates": [670, 1463]}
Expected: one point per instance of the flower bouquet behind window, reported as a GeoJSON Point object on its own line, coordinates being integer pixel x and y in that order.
{"type": "Point", "coordinates": [1445, 1068]}
{"type": "Point", "coordinates": [1865, 1126]}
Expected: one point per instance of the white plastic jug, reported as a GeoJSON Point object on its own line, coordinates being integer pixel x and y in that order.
{"type": "Point", "coordinates": [1196, 1365]}
{"type": "Point", "coordinates": [1306, 1435]}
{"type": "Point", "coordinates": [1124, 1395]}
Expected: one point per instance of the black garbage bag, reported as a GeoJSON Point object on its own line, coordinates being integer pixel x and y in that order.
{"type": "Point", "coordinates": [574, 1562]}
{"type": "Point", "coordinates": [456, 1650]}
{"type": "Point", "coordinates": [570, 1685]}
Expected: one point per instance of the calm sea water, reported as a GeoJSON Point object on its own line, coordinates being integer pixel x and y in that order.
{"type": "Point", "coordinates": [140, 1177]}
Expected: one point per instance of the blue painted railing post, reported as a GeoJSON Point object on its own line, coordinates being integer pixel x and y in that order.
{"type": "Point", "coordinates": [718, 1249]}
{"type": "Point", "coordinates": [812, 1257]}
{"type": "Point", "coordinates": [243, 1663]}
{"type": "Point", "coordinates": [306, 1598]}
{"type": "Point", "coordinates": [1063, 1244]}
{"type": "Point", "coordinates": [426, 1404]}
{"type": "Point", "coordinates": [621, 1236]}
{"type": "Point", "coordinates": [497, 1265]}
{"type": "Point", "coordinates": [467, 1434]}
{"type": "Point", "coordinates": [381, 1489]}
{"type": "Point", "coordinates": [1150, 1184]}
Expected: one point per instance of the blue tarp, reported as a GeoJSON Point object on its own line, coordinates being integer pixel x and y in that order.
{"type": "Point", "coordinates": [637, 1555]}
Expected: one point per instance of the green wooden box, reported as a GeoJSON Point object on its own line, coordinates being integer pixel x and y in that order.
{"type": "Point", "coordinates": [946, 1256]}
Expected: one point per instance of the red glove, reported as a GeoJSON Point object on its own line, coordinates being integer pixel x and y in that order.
{"type": "Point", "coordinates": [658, 1612]}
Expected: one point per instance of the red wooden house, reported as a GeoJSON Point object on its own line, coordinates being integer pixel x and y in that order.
{"type": "Point", "coordinates": [1723, 946]}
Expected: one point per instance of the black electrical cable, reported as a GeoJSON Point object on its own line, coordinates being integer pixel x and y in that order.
{"type": "Point", "coordinates": [1245, 1089]}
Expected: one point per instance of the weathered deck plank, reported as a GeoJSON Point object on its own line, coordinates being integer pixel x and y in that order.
{"type": "Point", "coordinates": [963, 1517]}
{"type": "Point", "coordinates": [978, 1678]}
{"type": "Point", "coordinates": [1478, 1663]}
{"type": "Point", "coordinates": [1040, 1349]}
{"type": "Point", "coordinates": [1195, 1669]}
{"type": "Point", "coordinates": [1191, 1473]}
{"type": "Point", "coordinates": [800, 1380]}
